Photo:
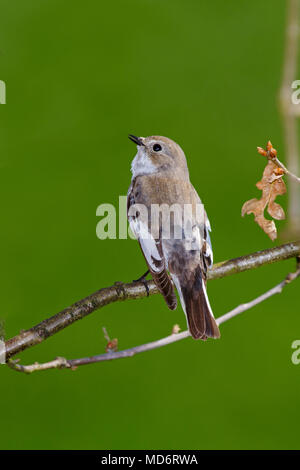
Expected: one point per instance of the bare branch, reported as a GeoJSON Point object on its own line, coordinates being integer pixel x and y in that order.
{"type": "Point", "coordinates": [58, 363]}
{"type": "Point", "coordinates": [136, 290]}
{"type": "Point", "coordinates": [62, 363]}
{"type": "Point", "coordinates": [286, 171]}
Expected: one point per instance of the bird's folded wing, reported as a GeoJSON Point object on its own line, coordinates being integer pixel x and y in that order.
{"type": "Point", "coordinates": [207, 247]}
{"type": "Point", "coordinates": [152, 251]}
{"type": "Point", "coordinates": [203, 229]}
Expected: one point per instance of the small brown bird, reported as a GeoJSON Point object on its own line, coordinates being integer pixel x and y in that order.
{"type": "Point", "coordinates": [176, 246]}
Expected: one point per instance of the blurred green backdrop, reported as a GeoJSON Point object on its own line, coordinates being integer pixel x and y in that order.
{"type": "Point", "coordinates": [80, 76]}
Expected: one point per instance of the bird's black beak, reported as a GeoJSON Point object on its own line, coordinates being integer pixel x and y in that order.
{"type": "Point", "coordinates": [136, 140]}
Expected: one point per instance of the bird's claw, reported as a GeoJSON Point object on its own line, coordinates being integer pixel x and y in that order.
{"type": "Point", "coordinates": [144, 281]}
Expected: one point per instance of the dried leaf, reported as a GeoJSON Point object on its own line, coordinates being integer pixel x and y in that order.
{"type": "Point", "coordinates": [271, 185]}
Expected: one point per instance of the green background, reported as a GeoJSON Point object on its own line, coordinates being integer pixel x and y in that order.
{"type": "Point", "coordinates": [80, 76]}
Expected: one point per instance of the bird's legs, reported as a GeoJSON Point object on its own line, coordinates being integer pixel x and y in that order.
{"type": "Point", "coordinates": [144, 281]}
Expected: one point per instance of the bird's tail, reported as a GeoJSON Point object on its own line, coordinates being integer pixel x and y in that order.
{"type": "Point", "coordinates": [195, 303]}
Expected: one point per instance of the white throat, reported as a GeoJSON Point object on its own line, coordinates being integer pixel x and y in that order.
{"type": "Point", "coordinates": [141, 164]}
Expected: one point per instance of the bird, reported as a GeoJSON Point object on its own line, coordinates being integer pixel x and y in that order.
{"type": "Point", "coordinates": [178, 253]}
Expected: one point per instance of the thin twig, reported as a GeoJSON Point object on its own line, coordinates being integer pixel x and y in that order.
{"type": "Point", "coordinates": [286, 171]}
{"type": "Point", "coordinates": [58, 363]}
{"type": "Point", "coordinates": [136, 290]}
{"type": "Point", "coordinates": [62, 363]}
{"type": "Point", "coordinates": [271, 154]}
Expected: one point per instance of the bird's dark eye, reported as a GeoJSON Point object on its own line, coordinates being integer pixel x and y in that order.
{"type": "Point", "coordinates": [157, 148]}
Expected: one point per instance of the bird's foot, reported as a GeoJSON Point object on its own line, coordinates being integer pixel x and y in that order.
{"type": "Point", "coordinates": [144, 281]}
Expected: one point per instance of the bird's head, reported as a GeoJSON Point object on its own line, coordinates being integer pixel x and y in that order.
{"type": "Point", "coordinates": [158, 154]}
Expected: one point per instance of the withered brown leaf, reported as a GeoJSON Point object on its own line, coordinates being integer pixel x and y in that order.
{"type": "Point", "coordinates": [271, 185]}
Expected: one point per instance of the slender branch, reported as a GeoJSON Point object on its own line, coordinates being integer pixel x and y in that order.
{"type": "Point", "coordinates": [62, 363]}
{"type": "Point", "coordinates": [286, 171]}
{"type": "Point", "coordinates": [136, 290]}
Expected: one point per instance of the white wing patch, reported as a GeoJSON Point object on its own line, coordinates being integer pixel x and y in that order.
{"type": "Point", "coordinates": [147, 243]}
{"type": "Point", "coordinates": [208, 253]}
{"type": "Point", "coordinates": [139, 227]}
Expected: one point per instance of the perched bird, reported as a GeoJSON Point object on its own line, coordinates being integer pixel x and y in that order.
{"type": "Point", "coordinates": [176, 247]}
